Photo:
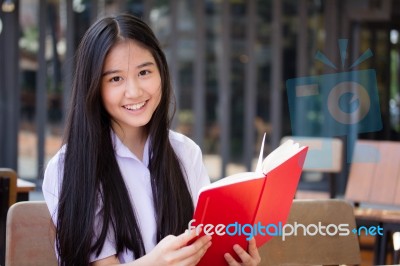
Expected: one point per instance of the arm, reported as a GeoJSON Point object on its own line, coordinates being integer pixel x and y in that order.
{"type": "Point", "coordinates": [172, 250]}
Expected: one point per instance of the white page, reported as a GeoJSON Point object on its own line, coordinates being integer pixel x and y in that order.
{"type": "Point", "coordinates": [281, 154]}
{"type": "Point", "coordinates": [274, 159]}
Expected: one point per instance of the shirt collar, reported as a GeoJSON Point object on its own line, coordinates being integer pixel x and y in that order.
{"type": "Point", "coordinates": [122, 151]}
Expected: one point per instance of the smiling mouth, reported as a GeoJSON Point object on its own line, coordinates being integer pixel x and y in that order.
{"type": "Point", "coordinates": [134, 107]}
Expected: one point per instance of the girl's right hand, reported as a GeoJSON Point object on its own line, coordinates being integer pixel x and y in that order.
{"type": "Point", "coordinates": [173, 250]}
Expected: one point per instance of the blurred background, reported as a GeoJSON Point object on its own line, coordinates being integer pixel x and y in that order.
{"type": "Point", "coordinates": [229, 61]}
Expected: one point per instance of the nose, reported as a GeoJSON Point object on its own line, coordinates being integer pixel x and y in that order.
{"type": "Point", "coordinates": [133, 88]}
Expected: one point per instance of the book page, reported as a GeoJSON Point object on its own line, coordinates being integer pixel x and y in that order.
{"type": "Point", "coordinates": [275, 158]}
{"type": "Point", "coordinates": [281, 154]}
{"type": "Point", "coordinates": [232, 179]}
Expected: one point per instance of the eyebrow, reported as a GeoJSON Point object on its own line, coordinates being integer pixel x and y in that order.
{"type": "Point", "coordinates": [145, 64]}
{"type": "Point", "coordinates": [109, 72]}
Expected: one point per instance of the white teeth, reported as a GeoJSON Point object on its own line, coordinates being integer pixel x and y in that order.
{"type": "Point", "coordinates": [135, 106]}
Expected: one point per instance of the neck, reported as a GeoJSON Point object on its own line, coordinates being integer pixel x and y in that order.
{"type": "Point", "coordinates": [134, 139]}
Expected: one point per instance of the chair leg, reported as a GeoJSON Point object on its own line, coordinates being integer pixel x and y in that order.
{"type": "Point", "coordinates": [4, 201]}
{"type": "Point", "coordinates": [332, 185]}
{"type": "Point", "coordinates": [396, 247]}
{"type": "Point", "coordinates": [380, 246]}
{"type": "Point", "coordinates": [396, 257]}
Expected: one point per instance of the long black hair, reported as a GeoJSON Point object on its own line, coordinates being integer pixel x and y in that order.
{"type": "Point", "coordinates": [92, 182]}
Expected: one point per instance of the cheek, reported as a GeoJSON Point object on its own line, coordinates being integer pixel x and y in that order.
{"type": "Point", "coordinates": [108, 98]}
{"type": "Point", "coordinates": [158, 95]}
{"type": "Point", "coordinates": [156, 90]}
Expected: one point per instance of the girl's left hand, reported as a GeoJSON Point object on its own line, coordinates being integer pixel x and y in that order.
{"type": "Point", "coordinates": [248, 259]}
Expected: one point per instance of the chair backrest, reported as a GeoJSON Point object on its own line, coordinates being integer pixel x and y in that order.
{"type": "Point", "coordinates": [12, 177]}
{"type": "Point", "coordinates": [30, 235]}
{"type": "Point", "coordinates": [333, 249]}
{"type": "Point", "coordinates": [374, 175]}
{"type": "Point", "coordinates": [324, 154]}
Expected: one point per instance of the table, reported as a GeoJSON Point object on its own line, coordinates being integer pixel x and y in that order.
{"type": "Point", "coordinates": [23, 189]}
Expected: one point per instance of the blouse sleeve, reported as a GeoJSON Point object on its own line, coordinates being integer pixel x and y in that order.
{"type": "Point", "coordinates": [51, 184]}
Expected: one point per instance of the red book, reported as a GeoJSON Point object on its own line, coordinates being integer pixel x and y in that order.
{"type": "Point", "coordinates": [249, 204]}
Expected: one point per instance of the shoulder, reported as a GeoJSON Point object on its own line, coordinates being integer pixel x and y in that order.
{"type": "Point", "coordinates": [182, 144]}
{"type": "Point", "coordinates": [191, 159]}
{"type": "Point", "coordinates": [53, 173]}
{"type": "Point", "coordinates": [57, 159]}
{"type": "Point", "coordinates": [52, 181]}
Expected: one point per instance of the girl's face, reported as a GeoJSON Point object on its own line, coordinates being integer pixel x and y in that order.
{"type": "Point", "coordinates": [130, 86]}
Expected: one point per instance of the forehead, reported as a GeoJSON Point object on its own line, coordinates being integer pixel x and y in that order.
{"type": "Point", "coordinates": [128, 52]}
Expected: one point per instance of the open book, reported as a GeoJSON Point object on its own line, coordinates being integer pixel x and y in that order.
{"type": "Point", "coordinates": [237, 207]}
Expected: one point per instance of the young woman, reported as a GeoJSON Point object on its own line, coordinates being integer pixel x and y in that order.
{"type": "Point", "coordinates": [123, 187]}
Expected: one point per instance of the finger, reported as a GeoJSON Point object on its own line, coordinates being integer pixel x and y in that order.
{"type": "Point", "coordinates": [191, 254]}
{"type": "Point", "coordinates": [243, 255]}
{"type": "Point", "coordinates": [203, 251]}
{"type": "Point", "coordinates": [183, 239]}
{"type": "Point", "coordinates": [253, 251]}
{"type": "Point", "coordinates": [230, 260]}
{"type": "Point", "coordinates": [201, 244]}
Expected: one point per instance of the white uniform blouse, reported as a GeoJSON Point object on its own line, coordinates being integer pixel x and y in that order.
{"type": "Point", "coordinates": [137, 179]}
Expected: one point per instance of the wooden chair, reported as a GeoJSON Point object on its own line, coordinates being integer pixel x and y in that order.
{"type": "Point", "coordinates": [317, 249]}
{"type": "Point", "coordinates": [11, 175]}
{"type": "Point", "coordinates": [30, 235]}
{"type": "Point", "coordinates": [18, 189]}
{"type": "Point", "coordinates": [8, 196]}
{"type": "Point", "coordinates": [373, 186]}
{"type": "Point", "coordinates": [325, 157]}
{"type": "Point", "coordinates": [374, 175]}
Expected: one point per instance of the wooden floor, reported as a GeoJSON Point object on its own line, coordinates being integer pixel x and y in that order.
{"type": "Point", "coordinates": [367, 250]}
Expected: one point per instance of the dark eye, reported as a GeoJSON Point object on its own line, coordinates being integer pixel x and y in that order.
{"type": "Point", "coordinates": [115, 79]}
{"type": "Point", "coordinates": [144, 72]}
